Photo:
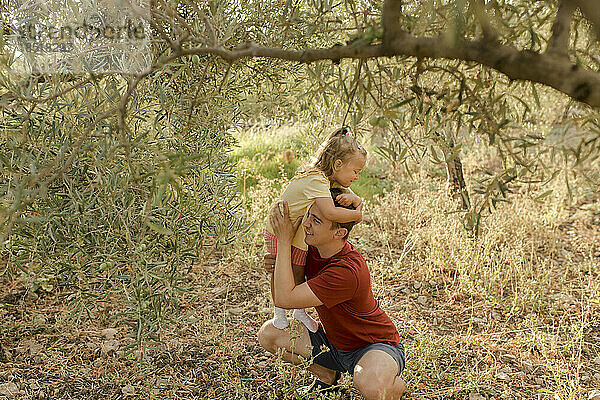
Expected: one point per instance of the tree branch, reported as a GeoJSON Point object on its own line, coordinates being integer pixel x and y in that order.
{"type": "Point", "coordinates": [486, 27]}
{"type": "Point", "coordinates": [305, 56]}
{"type": "Point", "coordinates": [59, 94]}
{"type": "Point", "coordinates": [392, 10]}
{"type": "Point", "coordinates": [559, 41]}
{"type": "Point", "coordinates": [548, 69]}
{"type": "Point", "coordinates": [210, 29]}
{"type": "Point", "coordinates": [173, 14]}
{"type": "Point", "coordinates": [156, 24]}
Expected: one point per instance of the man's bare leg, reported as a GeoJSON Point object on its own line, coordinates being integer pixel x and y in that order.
{"type": "Point", "coordinates": [294, 343]}
{"type": "Point", "coordinates": [376, 377]}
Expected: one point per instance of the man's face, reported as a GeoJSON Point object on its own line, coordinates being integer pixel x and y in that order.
{"type": "Point", "coordinates": [318, 228]}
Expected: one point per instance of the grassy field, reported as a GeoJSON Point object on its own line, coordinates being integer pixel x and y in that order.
{"type": "Point", "coordinates": [513, 314]}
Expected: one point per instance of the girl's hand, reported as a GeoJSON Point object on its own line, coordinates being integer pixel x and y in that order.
{"type": "Point", "coordinates": [283, 229]}
{"type": "Point", "coordinates": [347, 199]}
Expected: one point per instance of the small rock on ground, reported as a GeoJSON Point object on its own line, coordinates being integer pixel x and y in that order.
{"type": "Point", "coordinates": [109, 346]}
{"type": "Point", "coordinates": [109, 333]}
{"type": "Point", "coordinates": [9, 389]}
{"type": "Point", "coordinates": [475, 396]}
{"type": "Point", "coordinates": [594, 395]}
{"type": "Point", "coordinates": [503, 376]}
{"type": "Point", "coordinates": [128, 390]}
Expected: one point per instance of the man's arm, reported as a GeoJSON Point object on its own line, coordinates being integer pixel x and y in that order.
{"type": "Point", "coordinates": [287, 293]}
{"type": "Point", "coordinates": [301, 296]}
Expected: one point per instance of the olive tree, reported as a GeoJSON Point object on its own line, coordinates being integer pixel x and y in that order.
{"type": "Point", "coordinates": [425, 72]}
{"type": "Point", "coordinates": [112, 185]}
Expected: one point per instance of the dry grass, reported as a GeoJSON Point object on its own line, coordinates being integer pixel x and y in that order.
{"type": "Point", "coordinates": [513, 314]}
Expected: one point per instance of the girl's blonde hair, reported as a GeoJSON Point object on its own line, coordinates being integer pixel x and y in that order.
{"type": "Point", "coordinates": [340, 145]}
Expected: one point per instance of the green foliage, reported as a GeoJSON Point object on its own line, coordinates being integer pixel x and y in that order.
{"type": "Point", "coordinates": [117, 202]}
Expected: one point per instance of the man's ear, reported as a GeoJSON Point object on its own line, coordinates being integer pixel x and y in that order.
{"type": "Point", "coordinates": [340, 233]}
{"type": "Point", "coordinates": [337, 164]}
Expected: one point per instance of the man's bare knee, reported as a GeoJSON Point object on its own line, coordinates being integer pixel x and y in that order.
{"type": "Point", "coordinates": [273, 339]}
{"type": "Point", "coordinates": [267, 337]}
{"type": "Point", "coordinates": [368, 384]}
{"type": "Point", "coordinates": [375, 376]}
{"type": "Point", "coordinates": [372, 389]}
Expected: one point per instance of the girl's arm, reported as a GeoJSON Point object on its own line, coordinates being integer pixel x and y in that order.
{"type": "Point", "coordinates": [337, 214]}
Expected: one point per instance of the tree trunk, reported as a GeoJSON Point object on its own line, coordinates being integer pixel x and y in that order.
{"type": "Point", "coordinates": [454, 170]}
{"type": "Point", "coordinates": [456, 181]}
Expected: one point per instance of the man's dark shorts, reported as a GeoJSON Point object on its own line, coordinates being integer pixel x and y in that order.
{"type": "Point", "coordinates": [345, 361]}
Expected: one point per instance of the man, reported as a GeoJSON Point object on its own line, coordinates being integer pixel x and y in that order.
{"type": "Point", "coordinates": [358, 336]}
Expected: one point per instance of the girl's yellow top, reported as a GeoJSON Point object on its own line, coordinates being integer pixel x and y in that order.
{"type": "Point", "coordinates": [300, 193]}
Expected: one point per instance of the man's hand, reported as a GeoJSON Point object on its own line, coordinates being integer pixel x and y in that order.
{"type": "Point", "coordinates": [283, 229]}
{"type": "Point", "coordinates": [359, 213]}
{"type": "Point", "coordinates": [269, 262]}
{"type": "Point", "coordinates": [347, 199]}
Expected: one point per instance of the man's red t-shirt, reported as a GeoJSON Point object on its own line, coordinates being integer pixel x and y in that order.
{"type": "Point", "coordinates": [351, 316]}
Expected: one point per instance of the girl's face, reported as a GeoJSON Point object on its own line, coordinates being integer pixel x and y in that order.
{"type": "Point", "coordinates": [347, 172]}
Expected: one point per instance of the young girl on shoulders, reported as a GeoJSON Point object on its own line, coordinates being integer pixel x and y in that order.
{"type": "Point", "coordinates": [337, 164]}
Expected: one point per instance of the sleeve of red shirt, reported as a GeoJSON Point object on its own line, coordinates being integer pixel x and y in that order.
{"type": "Point", "coordinates": [338, 283]}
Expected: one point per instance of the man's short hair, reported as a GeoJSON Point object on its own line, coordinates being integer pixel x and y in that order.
{"type": "Point", "coordinates": [335, 192]}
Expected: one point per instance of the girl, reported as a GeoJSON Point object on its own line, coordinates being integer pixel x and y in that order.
{"type": "Point", "coordinates": [337, 164]}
